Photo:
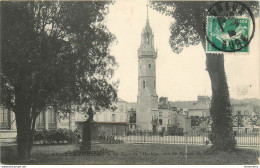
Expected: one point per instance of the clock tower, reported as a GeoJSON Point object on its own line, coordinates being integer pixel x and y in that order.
{"type": "Point", "coordinates": [147, 99]}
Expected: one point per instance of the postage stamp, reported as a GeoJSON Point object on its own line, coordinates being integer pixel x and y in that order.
{"type": "Point", "coordinates": [227, 34]}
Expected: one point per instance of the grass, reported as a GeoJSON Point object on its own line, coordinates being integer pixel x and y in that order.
{"type": "Point", "coordinates": [134, 154]}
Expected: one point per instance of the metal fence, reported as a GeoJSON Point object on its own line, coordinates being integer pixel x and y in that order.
{"type": "Point", "coordinates": [243, 139]}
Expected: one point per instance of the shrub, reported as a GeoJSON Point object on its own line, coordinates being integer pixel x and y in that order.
{"type": "Point", "coordinates": [108, 139]}
{"type": "Point", "coordinates": [41, 136]}
{"type": "Point", "coordinates": [75, 137]}
{"type": "Point", "coordinates": [175, 131]}
{"type": "Point", "coordinates": [57, 136]}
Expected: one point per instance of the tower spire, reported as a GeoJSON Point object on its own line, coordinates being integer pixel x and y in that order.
{"type": "Point", "coordinates": [147, 14]}
{"type": "Point", "coordinates": [147, 10]}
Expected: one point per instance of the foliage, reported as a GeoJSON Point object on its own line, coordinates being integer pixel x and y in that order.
{"type": "Point", "coordinates": [57, 136]}
{"type": "Point", "coordinates": [244, 120]}
{"type": "Point", "coordinates": [141, 132]}
{"type": "Point", "coordinates": [54, 54]}
{"type": "Point", "coordinates": [238, 120]}
{"type": "Point", "coordinates": [255, 120]}
{"type": "Point", "coordinates": [175, 131]}
{"type": "Point", "coordinates": [108, 139]}
{"type": "Point", "coordinates": [63, 54]}
{"type": "Point", "coordinates": [199, 121]}
{"type": "Point", "coordinates": [195, 121]}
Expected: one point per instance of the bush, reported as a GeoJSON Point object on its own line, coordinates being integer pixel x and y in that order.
{"type": "Point", "coordinates": [38, 136]}
{"type": "Point", "coordinates": [175, 131]}
{"type": "Point", "coordinates": [57, 136]}
{"type": "Point", "coordinates": [141, 133]}
{"type": "Point", "coordinates": [108, 139]}
{"type": "Point", "coordinates": [74, 136]}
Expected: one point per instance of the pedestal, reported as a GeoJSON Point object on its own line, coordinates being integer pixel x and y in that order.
{"type": "Point", "coordinates": [86, 144]}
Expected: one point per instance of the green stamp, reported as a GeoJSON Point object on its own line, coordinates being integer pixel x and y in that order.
{"type": "Point", "coordinates": [227, 34]}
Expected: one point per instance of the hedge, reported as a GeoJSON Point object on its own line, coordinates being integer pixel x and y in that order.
{"type": "Point", "coordinates": [57, 136]}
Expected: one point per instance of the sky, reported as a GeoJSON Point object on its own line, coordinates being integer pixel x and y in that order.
{"type": "Point", "coordinates": [178, 76]}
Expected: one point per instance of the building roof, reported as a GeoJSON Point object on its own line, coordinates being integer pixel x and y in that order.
{"type": "Point", "coordinates": [190, 105]}
{"type": "Point", "coordinates": [119, 99]}
{"type": "Point", "coordinates": [200, 106]}
{"type": "Point", "coordinates": [241, 105]}
{"type": "Point", "coordinates": [182, 104]}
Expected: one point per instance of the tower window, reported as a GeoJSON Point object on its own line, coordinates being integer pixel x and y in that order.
{"type": "Point", "coordinates": [147, 37]}
{"type": "Point", "coordinates": [143, 84]}
{"type": "Point", "coordinates": [154, 84]}
{"type": "Point", "coordinates": [149, 66]}
{"type": "Point", "coordinates": [140, 66]}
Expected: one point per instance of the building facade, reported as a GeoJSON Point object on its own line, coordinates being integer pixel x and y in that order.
{"type": "Point", "coordinates": [245, 109]}
{"type": "Point", "coordinates": [47, 119]}
{"type": "Point", "coordinates": [171, 118]}
{"type": "Point", "coordinates": [245, 118]}
{"type": "Point", "coordinates": [119, 114]}
{"type": "Point", "coordinates": [108, 121]}
{"type": "Point", "coordinates": [7, 125]}
{"type": "Point", "coordinates": [198, 108]}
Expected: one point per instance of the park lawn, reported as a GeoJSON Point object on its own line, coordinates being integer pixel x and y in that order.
{"type": "Point", "coordinates": [139, 154]}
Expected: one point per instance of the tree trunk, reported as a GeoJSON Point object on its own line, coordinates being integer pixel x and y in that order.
{"type": "Point", "coordinates": [31, 136]}
{"type": "Point", "coordinates": [222, 136]}
{"type": "Point", "coordinates": [86, 144]}
{"type": "Point", "coordinates": [22, 135]}
{"type": "Point", "coordinates": [25, 133]}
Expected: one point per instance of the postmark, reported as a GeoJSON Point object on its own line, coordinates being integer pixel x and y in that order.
{"type": "Point", "coordinates": [230, 27]}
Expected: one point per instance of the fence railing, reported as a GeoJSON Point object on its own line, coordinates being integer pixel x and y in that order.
{"type": "Point", "coordinates": [245, 139]}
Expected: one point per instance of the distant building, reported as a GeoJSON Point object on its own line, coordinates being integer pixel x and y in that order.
{"type": "Point", "coordinates": [108, 121]}
{"type": "Point", "coordinates": [7, 125]}
{"type": "Point", "coordinates": [46, 120]}
{"type": "Point", "coordinates": [120, 114]}
{"type": "Point", "coordinates": [194, 108]}
{"type": "Point", "coordinates": [132, 119]}
{"type": "Point", "coordinates": [244, 115]}
{"type": "Point", "coordinates": [170, 117]}
{"type": "Point", "coordinates": [246, 109]}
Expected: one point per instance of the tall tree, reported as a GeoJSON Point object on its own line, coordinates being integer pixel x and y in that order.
{"type": "Point", "coordinates": [54, 54]}
{"type": "Point", "coordinates": [188, 30]}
